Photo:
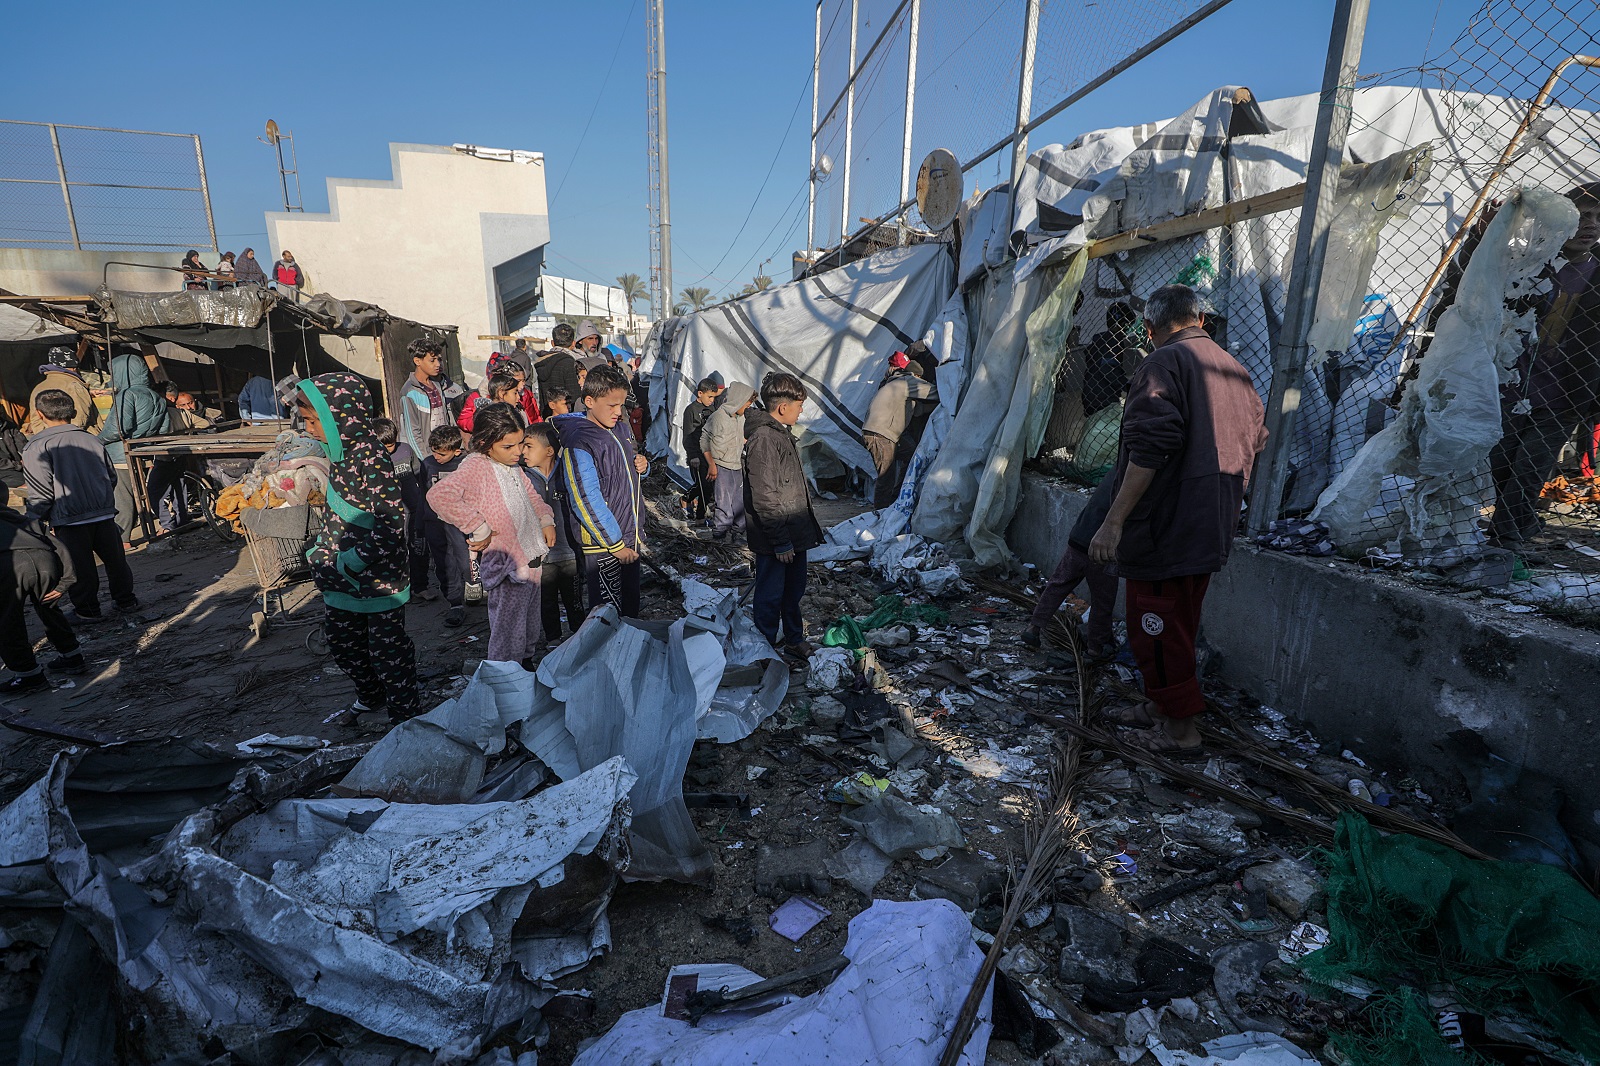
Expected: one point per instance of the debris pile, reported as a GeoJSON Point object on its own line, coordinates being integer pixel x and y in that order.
{"type": "Point", "coordinates": [668, 845]}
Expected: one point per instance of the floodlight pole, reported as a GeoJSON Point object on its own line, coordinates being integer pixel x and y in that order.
{"type": "Point", "coordinates": [1310, 248]}
{"type": "Point", "coordinates": [811, 204]}
{"type": "Point", "coordinates": [913, 27]}
{"type": "Point", "coordinates": [849, 128]}
{"type": "Point", "coordinates": [660, 206]}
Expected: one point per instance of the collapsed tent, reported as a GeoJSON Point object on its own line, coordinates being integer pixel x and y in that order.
{"type": "Point", "coordinates": [1002, 336]}
{"type": "Point", "coordinates": [835, 332]}
{"type": "Point", "coordinates": [245, 897]}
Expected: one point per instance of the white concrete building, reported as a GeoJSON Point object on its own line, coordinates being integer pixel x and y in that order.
{"type": "Point", "coordinates": [456, 237]}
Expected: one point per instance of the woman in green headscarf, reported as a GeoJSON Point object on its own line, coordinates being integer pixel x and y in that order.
{"type": "Point", "coordinates": [359, 559]}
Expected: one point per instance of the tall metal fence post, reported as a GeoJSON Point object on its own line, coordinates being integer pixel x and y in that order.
{"type": "Point", "coordinates": [811, 180]}
{"type": "Point", "coordinates": [1310, 248]}
{"type": "Point", "coordinates": [849, 127]}
{"type": "Point", "coordinates": [205, 193]}
{"type": "Point", "coordinates": [66, 191]}
{"type": "Point", "coordinates": [913, 27]}
{"type": "Point", "coordinates": [1019, 136]}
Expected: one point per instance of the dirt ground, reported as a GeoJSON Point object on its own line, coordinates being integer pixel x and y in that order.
{"type": "Point", "coordinates": [194, 666]}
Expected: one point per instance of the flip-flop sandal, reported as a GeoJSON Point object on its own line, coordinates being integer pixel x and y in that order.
{"type": "Point", "coordinates": [1156, 742]}
{"type": "Point", "coordinates": [1133, 715]}
{"type": "Point", "coordinates": [350, 717]}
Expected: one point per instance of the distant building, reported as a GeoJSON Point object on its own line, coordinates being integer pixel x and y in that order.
{"type": "Point", "coordinates": [457, 237]}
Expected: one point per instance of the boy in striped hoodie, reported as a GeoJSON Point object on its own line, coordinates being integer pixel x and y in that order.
{"type": "Point", "coordinates": [601, 472]}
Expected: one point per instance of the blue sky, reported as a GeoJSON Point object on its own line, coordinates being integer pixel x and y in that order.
{"type": "Point", "coordinates": [350, 77]}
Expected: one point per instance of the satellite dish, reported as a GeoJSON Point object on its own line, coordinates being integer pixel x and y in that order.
{"type": "Point", "coordinates": [939, 189]}
{"type": "Point", "coordinates": [272, 132]}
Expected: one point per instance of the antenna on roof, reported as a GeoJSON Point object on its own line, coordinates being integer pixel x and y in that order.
{"type": "Point", "coordinates": [276, 139]}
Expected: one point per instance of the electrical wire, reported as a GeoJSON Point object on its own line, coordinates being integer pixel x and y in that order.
{"type": "Point", "coordinates": [771, 166]}
{"type": "Point", "coordinates": [576, 151]}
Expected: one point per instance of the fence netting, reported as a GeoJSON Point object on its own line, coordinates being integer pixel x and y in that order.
{"type": "Point", "coordinates": [1452, 435]}
{"type": "Point", "coordinates": [78, 187]}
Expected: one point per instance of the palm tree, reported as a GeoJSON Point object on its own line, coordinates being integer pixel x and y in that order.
{"type": "Point", "coordinates": [695, 297]}
{"type": "Point", "coordinates": [760, 283]}
{"type": "Point", "coordinates": [632, 289]}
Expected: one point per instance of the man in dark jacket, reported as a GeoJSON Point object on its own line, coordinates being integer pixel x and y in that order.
{"type": "Point", "coordinates": [778, 519]}
{"type": "Point", "coordinates": [558, 367]}
{"type": "Point", "coordinates": [34, 568]}
{"type": "Point", "coordinates": [1191, 431]}
{"type": "Point", "coordinates": [72, 485]}
{"type": "Point", "coordinates": [600, 471]}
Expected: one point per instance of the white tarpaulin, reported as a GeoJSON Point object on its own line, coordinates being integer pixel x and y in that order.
{"type": "Point", "coordinates": [569, 296]}
{"type": "Point", "coordinates": [835, 332]}
{"type": "Point", "coordinates": [911, 965]}
{"type": "Point", "coordinates": [1418, 484]}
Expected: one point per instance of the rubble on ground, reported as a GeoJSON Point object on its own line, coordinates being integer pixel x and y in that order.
{"type": "Point", "coordinates": [837, 835]}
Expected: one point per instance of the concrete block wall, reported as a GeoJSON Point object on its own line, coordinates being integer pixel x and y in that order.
{"type": "Point", "coordinates": [1383, 667]}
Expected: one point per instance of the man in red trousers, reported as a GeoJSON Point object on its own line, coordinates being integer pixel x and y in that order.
{"type": "Point", "coordinates": [1191, 431]}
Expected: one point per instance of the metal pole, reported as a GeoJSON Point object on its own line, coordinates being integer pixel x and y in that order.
{"type": "Point", "coordinates": [205, 192]}
{"type": "Point", "coordinates": [294, 161]}
{"type": "Point", "coordinates": [811, 205]}
{"type": "Point", "coordinates": [66, 193]}
{"type": "Point", "coordinates": [661, 149]}
{"type": "Point", "coordinates": [1310, 248]}
{"type": "Point", "coordinates": [911, 98]}
{"type": "Point", "coordinates": [1019, 136]}
{"type": "Point", "coordinates": [849, 128]}
{"type": "Point", "coordinates": [283, 174]}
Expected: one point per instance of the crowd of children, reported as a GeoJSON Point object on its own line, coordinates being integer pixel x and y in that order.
{"type": "Point", "coordinates": [531, 497]}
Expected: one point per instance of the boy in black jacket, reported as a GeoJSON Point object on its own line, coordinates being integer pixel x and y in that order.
{"type": "Point", "coordinates": [694, 421]}
{"type": "Point", "coordinates": [778, 520]}
{"type": "Point", "coordinates": [34, 568]}
{"type": "Point", "coordinates": [447, 545]}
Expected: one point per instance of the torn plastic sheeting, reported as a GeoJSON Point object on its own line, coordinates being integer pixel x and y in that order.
{"type": "Point", "coordinates": [623, 687]}
{"type": "Point", "coordinates": [973, 484]}
{"type": "Point", "coordinates": [866, 534]}
{"type": "Point", "coordinates": [470, 883]}
{"type": "Point", "coordinates": [121, 796]}
{"type": "Point", "coordinates": [730, 711]}
{"type": "Point", "coordinates": [197, 979]}
{"type": "Point", "coordinates": [1246, 1049]}
{"type": "Point", "coordinates": [197, 945]}
{"type": "Point", "coordinates": [833, 330]}
{"type": "Point", "coordinates": [1449, 418]}
{"type": "Point", "coordinates": [898, 829]}
{"type": "Point", "coordinates": [911, 965]}
{"type": "Point", "coordinates": [440, 757]}
{"type": "Point", "coordinates": [243, 307]}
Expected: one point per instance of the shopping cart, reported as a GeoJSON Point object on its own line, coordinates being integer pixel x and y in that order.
{"type": "Point", "coordinates": [277, 539]}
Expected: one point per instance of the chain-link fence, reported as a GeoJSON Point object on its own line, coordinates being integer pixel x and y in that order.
{"type": "Point", "coordinates": [1479, 460]}
{"type": "Point", "coordinates": [946, 74]}
{"type": "Point", "coordinates": [86, 187]}
{"type": "Point", "coordinates": [1243, 305]}
{"type": "Point", "coordinates": [1454, 437]}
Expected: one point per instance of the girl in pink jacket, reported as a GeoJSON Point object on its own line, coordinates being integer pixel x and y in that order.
{"type": "Point", "coordinates": [507, 521]}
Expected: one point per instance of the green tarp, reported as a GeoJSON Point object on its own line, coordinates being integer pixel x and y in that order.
{"type": "Point", "coordinates": [889, 610]}
{"type": "Point", "coordinates": [1505, 937]}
